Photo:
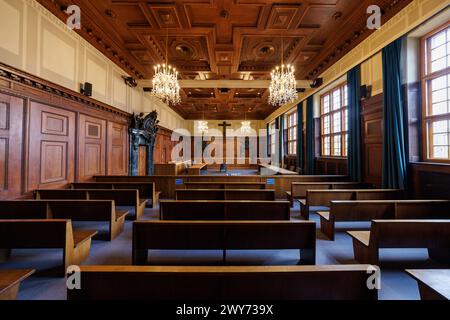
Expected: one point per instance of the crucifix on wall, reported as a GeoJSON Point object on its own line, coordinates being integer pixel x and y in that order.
{"type": "Point", "coordinates": [224, 125]}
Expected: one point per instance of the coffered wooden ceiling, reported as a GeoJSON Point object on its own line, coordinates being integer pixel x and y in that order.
{"type": "Point", "coordinates": [225, 39]}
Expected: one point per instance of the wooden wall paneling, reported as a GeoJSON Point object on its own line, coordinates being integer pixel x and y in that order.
{"type": "Point", "coordinates": [91, 147]}
{"type": "Point", "coordinates": [117, 149]}
{"type": "Point", "coordinates": [51, 157]}
{"type": "Point", "coordinates": [430, 180]}
{"type": "Point", "coordinates": [11, 145]}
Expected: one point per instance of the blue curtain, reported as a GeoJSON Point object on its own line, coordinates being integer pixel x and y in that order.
{"type": "Point", "coordinates": [281, 137]}
{"type": "Point", "coordinates": [300, 135]}
{"type": "Point", "coordinates": [310, 135]}
{"type": "Point", "coordinates": [354, 124]}
{"type": "Point", "coordinates": [394, 138]}
{"type": "Point", "coordinates": [268, 138]}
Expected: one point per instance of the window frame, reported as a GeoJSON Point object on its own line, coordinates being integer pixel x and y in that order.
{"type": "Point", "coordinates": [272, 133]}
{"type": "Point", "coordinates": [426, 78]}
{"type": "Point", "coordinates": [290, 127]}
{"type": "Point", "coordinates": [343, 133]}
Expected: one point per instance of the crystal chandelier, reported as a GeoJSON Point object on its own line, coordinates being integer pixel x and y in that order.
{"type": "Point", "coordinates": [283, 86]}
{"type": "Point", "coordinates": [203, 125]}
{"type": "Point", "coordinates": [165, 81]}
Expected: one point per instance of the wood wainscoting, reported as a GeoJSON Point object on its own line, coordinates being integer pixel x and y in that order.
{"type": "Point", "coordinates": [429, 180]}
{"type": "Point", "coordinates": [330, 166]}
{"type": "Point", "coordinates": [51, 136]}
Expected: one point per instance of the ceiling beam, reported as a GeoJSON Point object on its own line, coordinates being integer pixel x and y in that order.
{"type": "Point", "coordinates": [230, 84]}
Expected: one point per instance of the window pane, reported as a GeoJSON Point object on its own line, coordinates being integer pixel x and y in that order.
{"type": "Point", "coordinates": [440, 152]}
{"type": "Point", "coordinates": [439, 83]}
{"type": "Point", "coordinates": [438, 65]}
{"type": "Point", "coordinates": [326, 104]}
{"type": "Point", "coordinates": [438, 53]}
{"type": "Point", "coordinates": [326, 125]}
{"type": "Point", "coordinates": [326, 146]}
{"type": "Point", "coordinates": [345, 120]}
{"type": "Point", "coordinates": [336, 99]}
{"type": "Point", "coordinates": [439, 108]}
{"type": "Point", "coordinates": [440, 127]}
{"type": "Point", "coordinates": [439, 96]}
{"type": "Point", "coordinates": [438, 40]}
{"type": "Point", "coordinates": [337, 122]}
{"type": "Point", "coordinates": [440, 139]}
{"type": "Point", "coordinates": [337, 145]}
{"type": "Point", "coordinates": [345, 145]}
{"type": "Point", "coordinates": [345, 95]}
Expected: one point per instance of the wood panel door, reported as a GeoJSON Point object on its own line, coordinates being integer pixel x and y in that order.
{"type": "Point", "coordinates": [117, 149]}
{"type": "Point", "coordinates": [11, 142]}
{"type": "Point", "coordinates": [142, 165]}
{"type": "Point", "coordinates": [91, 147]}
{"type": "Point", "coordinates": [51, 158]}
{"type": "Point", "coordinates": [372, 118]}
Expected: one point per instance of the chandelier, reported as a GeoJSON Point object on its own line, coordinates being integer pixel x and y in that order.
{"type": "Point", "coordinates": [283, 86]}
{"type": "Point", "coordinates": [203, 127]}
{"type": "Point", "coordinates": [246, 126]}
{"type": "Point", "coordinates": [165, 81]}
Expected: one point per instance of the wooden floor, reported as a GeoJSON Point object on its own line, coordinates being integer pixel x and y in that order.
{"type": "Point", "coordinates": [396, 284]}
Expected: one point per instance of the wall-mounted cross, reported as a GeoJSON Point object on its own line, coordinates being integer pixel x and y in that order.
{"type": "Point", "coordinates": [224, 125]}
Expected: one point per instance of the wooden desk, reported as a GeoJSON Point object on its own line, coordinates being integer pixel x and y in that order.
{"type": "Point", "coordinates": [10, 282]}
{"type": "Point", "coordinates": [434, 284]}
{"type": "Point", "coordinates": [195, 169]}
{"type": "Point", "coordinates": [269, 170]}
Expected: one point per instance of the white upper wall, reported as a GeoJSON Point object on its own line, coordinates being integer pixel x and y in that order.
{"type": "Point", "coordinates": [33, 40]}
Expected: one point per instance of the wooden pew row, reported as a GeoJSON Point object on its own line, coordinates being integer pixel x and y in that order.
{"type": "Point", "coordinates": [224, 210]}
{"type": "Point", "coordinates": [123, 198]}
{"type": "Point", "coordinates": [323, 197]}
{"type": "Point", "coordinates": [167, 184]}
{"type": "Point", "coordinates": [299, 189]}
{"type": "Point", "coordinates": [147, 190]}
{"type": "Point", "coordinates": [368, 210]}
{"type": "Point", "coordinates": [10, 281]}
{"type": "Point", "coordinates": [433, 235]}
{"type": "Point", "coordinates": [75, 210]}
{"type": "Point", "coordinates": [339, 282]}
{"type": "Point", "coordinates": [225, 194]}
{"type": "Point", "coordinates": [434, 284]}
{"type": "Point", "coordinates": [224, 235]}
{"type": "Point", "coordinates": [225, 185]}
{"type": "Point", "coordinates": [46, 234]}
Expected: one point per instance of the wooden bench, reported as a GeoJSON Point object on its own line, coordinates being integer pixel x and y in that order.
{"type": "Point", "coordinates": [224, 210]}
{"type": "Point", "coordinates": [147, 190]}
{"type": "Point", "coordinates": [431, 234]}
{"type": "Point", "coordinates": [225, 194]}
{"type": "Point", "coordinates": [269, 170]}
{"type": "Point", "coordinates": [46, 234]}
{"type": "Point", "coordinates": [368, 210]}
{"type": "Point", "coordinates": [225, 185]}
{"type": "Point", "coordinates": [323, 197]}
{"type": "Point", "coordinates": [299, 189]}
{"type": "Point", "coordinates": [125, 199]}
{"type": "Point", "coordinates": [75, 210]}
{"type": "Point", "coordinates": [195, 169]}
{"type": "Point", "coordinates": [247, 283]}
{"type": "Point", "coordinates": [434, 284]}
{"type": "Point", "coordinates": [224, 235]}
{"type": "Point", "coordinates": [10, 281]}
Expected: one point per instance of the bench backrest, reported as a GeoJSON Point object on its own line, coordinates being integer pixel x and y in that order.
{"type": "Point", "coordinates": [224, 235]}
{"type": "Point", "coordinates": [225, 185]}
{"type": "Point", "coordinates": [341, 282]}
{"type": "Point", "coordinates": [323, 197]}
{"type": "Point", "coordinates": [299, 189]}
{"type": "Point", "coordinates": [146, 189]}
{"type": "Point", "coordinates": [88, 210]}
{"type": "Point", "coordinates": [29, 234]}
{"type": "Point", "coordinates": [430, 209]}
{"type": "Point", "coordinates": [410, 233]}
{"type": "Point", "coordinates": [60, 194]}
{"type": "Point", "coordinates": [225, 194]}
{"type": "Point", "coordinates": [362, 210]}
{"type": "Point", "coordinates": [224, 210]}
{"type": "Point", "coordinates": [14, 209]}
{"type": "Point", "coordinates": [122, 197]}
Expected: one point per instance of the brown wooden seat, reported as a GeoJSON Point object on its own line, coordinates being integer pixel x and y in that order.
{"type": "Point", "coordinates": [332, 282]}
{"type": "Point", "coordinates": [225, 194]}
{"type": "Point", "coordinates": [75, 210]}
{"type": "Point", "coordinates": [48, 234]}
{"type": "Point", "coordinates": [431, 234]}
{"type": "Point", "coordinates": [368, 210]}
{"type": "Point", "coordinates": [434, 284]}
{"type": "Point", "coordinates": [10, 281]}
{"type": "Point", "coordinates": [324, 197]}
{"type": "Point", "coordinates": [299, 189]}
{"type": "Point", "coordinates": [223, 235]}
{"type": "Point", "coordinates": [125, 199]}
{"type": "Point", "coordinates": [225, 185]}
{"type": "Point", "coordinates": [147, 190]}
{"type": "Point", "coordinates": [224, 210]}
